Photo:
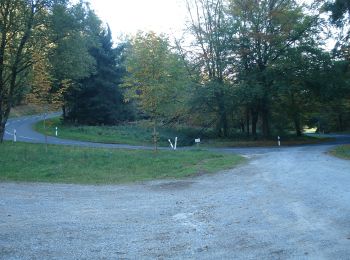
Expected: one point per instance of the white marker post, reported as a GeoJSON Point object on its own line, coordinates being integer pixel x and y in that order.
{"type": "Point", "coordinates": [175, 145]}
{"type": "Point", "coordinates": [279, 141]}
{"type": "Point", "coordinates": [56, 132]}
{"type": "Point", "coordinates": [14, 135]}
{"type": "Point", "coordinates": [197, 141]}
{"type": "Point", "coordinates": [171, 144]}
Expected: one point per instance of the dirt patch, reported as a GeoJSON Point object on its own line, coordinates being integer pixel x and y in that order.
{"type": "Point", "coordinates": [174, 185]}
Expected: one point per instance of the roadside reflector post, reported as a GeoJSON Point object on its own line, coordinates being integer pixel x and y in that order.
{"type": "Point", "coordinates": [56, 131]}
{"type": "Point", "coordinates": [279, 141]}
{"type": "Point", "coordinates": [197, 141]}
{"type": "Point", "coordinates": [175, 145]}
{"type": "Point", "coordinates": [171, 144]}
{"type": "Point", "coordinates": [14, 135]}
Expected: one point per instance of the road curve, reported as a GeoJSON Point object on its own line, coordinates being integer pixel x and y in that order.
{"type": "Point", "coordinates": [25, 133]}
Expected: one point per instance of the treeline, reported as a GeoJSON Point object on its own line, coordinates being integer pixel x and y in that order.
{"type": "Point", "coordinates": [243, 66]}
{"type": "Point", "coordinates": [263, 67]}
{"type": "Point", "coordinates": [254, 67]}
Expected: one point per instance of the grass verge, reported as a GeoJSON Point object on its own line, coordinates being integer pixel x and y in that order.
{"type": "Point", "coordinates": [62, 164]}
{"type": "Point", "coordinates": [342, 151]}
{"type": "Point", "coordinates": [140, 133]}
{"type": "Point", "coordinates": [285, 141]}
{"type": "Point", "coordinates": [27, 110]}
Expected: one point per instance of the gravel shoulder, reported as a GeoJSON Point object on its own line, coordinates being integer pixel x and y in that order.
{"type": "Point", "coordinates": [287, 203]}
{"type": "Point", "coordinates": [284, 204]}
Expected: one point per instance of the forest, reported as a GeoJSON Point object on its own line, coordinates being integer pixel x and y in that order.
{"type": "Point", "coordinates": [243, 67]}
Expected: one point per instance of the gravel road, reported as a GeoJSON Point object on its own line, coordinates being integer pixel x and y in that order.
{"type": "Point", "coordinates": [291, 203]}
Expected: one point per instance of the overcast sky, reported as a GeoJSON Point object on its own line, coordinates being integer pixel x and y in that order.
{"type": "Point", "coordinates": [129, 16]}
{"type": "Point", "coordinates": [161, 16]}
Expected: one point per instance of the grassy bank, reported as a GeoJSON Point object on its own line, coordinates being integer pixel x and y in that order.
{"type": "Point", "coordinates": [61, 164]}
{"type": "Point", "coordinates": [140, 133]}
{"type": "Point", "coordinates": [285, 141]}
{"type": "Point", "coordinates": [342, 151]}
{"type": "Point", "coordinates": [27, 110]}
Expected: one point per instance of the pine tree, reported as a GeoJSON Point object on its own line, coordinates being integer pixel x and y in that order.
{"type": "Point", "coordinates": [98, 100]}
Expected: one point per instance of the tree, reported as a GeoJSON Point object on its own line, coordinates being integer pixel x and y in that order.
{"type": "Point", "coordinates": [297, 81]}
{"type": "Point", "coordinates": [73, 31]}
{"type": "Point", "coordinates": [40, 86]}
{"type": "Point", "coordinates": [339, 10]}
{"type": "Point", "coordinates": [98, 99]}
{"type": "Point", "coordinates": [333, 94]}
{"type": "Point", "coordinates": [155, 77]}
{"type": "Point", "coordinates": [22, 28]}
{"type": "Point", "coordinates": [35, 32]}
{"type": "Point", "coordinates": [336, 89]}
{"type": "Point", "coordinates": [210, 54]}
{"type": "Point", "coordinates": [266, 30]}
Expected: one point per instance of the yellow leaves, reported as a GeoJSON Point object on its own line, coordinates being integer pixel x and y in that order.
{"type": "Point", "coordinates": [153, 79]}
{"type": "Point", "coordinates": [41, 83]}
{"type": "Point", "coordinates": [41, 80]}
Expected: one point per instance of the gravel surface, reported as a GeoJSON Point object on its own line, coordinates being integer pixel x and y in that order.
{"type": "Point", "coordinates": [286, 204]}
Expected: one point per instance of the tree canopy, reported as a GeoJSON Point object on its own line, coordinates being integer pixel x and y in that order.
{"type": "Point", "coordinates": [257, 68]}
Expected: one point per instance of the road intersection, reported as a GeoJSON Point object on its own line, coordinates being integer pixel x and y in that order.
{"type": "Point", "coordinates": [285, 203]}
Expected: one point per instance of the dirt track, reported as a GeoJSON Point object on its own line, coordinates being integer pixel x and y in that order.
{"type": "Point", "coordinates": [288, 204]}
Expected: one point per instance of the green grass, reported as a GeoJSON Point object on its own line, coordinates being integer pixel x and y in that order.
{"type": "Point", "coordinates": [27, 110]}
{"type": "Point", "coordinates": [285, 141]}
{"type": "Point", "coordinates": [62, 164]}
{"type": "Point", "coordinates": [140, 133]}
{"type": "Point", "coordinates": [342, 151]}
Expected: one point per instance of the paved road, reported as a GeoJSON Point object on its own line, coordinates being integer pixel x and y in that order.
{"type": "Point", "coordinates": [25, 133]}
{"type": "Point", "coordinates": [291, 203]}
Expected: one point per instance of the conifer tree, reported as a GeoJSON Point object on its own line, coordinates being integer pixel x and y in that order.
{"type": "Point", "coordinates": [98, 100]}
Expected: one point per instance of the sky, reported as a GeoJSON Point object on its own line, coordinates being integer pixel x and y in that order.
{"type": "Point", "coordinates": [129, 16]}
{"type": "Point", "coordinates": [126, 17]}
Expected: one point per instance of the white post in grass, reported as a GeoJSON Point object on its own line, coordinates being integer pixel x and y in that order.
{"type": "Point", "coordinates": [175, 143]}
{"type": "Point", "coordinates": [197, 141]}
{"type": "Point", "coordinates": [171, 144]}
{"type": "Point", "coordinates": [279, 141]}
{"type": "Point", "coordinates": [14, 135]}
{"type": "Point", "coordinates": [56, 131]}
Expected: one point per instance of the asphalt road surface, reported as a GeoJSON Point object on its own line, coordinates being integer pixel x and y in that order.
{"type": "Point", "coordinates": [289, 203]}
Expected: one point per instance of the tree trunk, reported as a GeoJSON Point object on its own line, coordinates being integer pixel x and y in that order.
{"type": "Point", "coordinates": [297, 126]}
{"type": "Point", "coordinates": [255, 116]}
{"type": "Point", "coordinates": [2, 130]}
{"type": "Point", "coordinates": [3, 120]}
{"type": "Point", "coordinates": [265, 122]}
{"type": "Point", "coordinates": [45, 116]}
{"type": "Point", "coordinates": [242, 125]}
{"type": "Point", "coordinates": [223, 120]}
{"type": "Point", "coordinates": [247, 120]}
{"type": "Point", "coordinates": [340, 122]}
{"type": "Point", "coordinates": [224, 125]}
{"type": "Point", "coordinates": [155, 137]}
{"type": "Point", "coordinates": [64, 112]}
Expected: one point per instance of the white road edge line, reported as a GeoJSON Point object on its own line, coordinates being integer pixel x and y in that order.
{"type": "Point", "coordinates": [24, 137]}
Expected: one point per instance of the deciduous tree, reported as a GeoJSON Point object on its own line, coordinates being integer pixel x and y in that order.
{"type": "Point", "coordinates": [22, 30]}
{"type": "Point", "coordinates": [156, 77]}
